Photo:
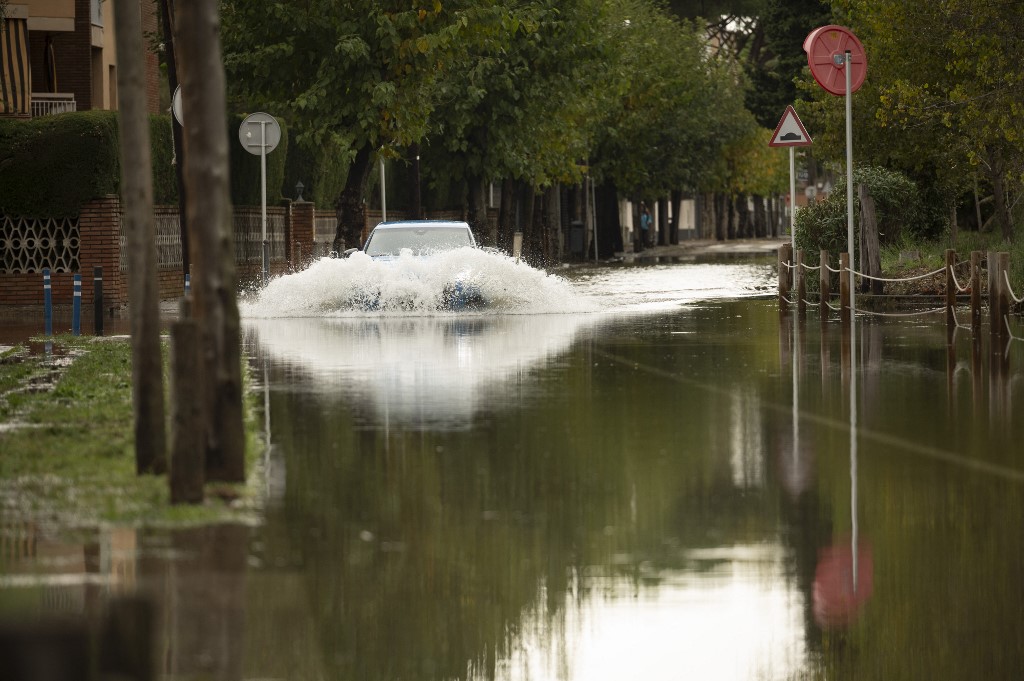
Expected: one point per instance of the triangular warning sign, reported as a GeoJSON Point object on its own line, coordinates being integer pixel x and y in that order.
{"type": "Point", "coordinates": [790, 132]}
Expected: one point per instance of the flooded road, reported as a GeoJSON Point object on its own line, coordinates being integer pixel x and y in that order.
{"type": "Point", "coordinates": [643, 472]}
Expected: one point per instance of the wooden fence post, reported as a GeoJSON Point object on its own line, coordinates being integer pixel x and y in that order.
{"type": "Point", "coordinates": [188, 460]}
{"type": "Point", "coordinates": [1003, 294]}
{"type": "Point", "coordinates": [785, 256]}
{"type": "Point", "coordinates": [824, 284]}
{"type": "Point", "coordinates": [975, 291]}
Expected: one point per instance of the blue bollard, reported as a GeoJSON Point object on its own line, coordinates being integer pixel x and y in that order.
{"type": "Point", "coordinates": [76, 308]}
{"type": "Point", "coordinates": [47, 302]}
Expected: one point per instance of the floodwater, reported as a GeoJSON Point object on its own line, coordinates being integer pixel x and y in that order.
{"type": "Point", "coordinates": [622, 472]}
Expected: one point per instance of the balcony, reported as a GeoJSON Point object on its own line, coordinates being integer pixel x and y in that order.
{"type": "Point", "coordinates": [46, 103]}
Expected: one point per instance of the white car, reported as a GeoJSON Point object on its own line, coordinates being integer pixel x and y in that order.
{"type": "Point", "coordinates": [423, 238]}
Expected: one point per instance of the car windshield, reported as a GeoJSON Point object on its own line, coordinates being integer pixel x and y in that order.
{"type": "Point", "coordinates": [420, 239]}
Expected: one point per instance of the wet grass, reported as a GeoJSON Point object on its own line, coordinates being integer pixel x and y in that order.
{"type": "Point", "coordinates": [67, 443]}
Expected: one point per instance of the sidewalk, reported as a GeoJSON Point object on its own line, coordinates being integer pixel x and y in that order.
{"type": "Point", "coordinates": [710, 247]}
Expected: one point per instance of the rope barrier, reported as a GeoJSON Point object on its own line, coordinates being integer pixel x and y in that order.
{"type": "Point", "coordinates": [959, 288]}
{"type": "Point", "coordinates": [791, 302]}
{"type": "Point", "coordinates": [810, 267]}
{"type": "Point", "coordinates": [834, 308]}
{"type": "Point", "coordinates": [787, 265]}
{"type": "Point", "coordinates": [956, 321]}
{"type": "Point", "coordinates": [1009, 288]}
{"type": "Point", "coordinates": [921, 276]}
{"type": "Point", "coordinates": [903, 314]}
{"type": "Point", "coordinates": [1006, 323]}
{"type": "Point", "coordinates": [834, 271]}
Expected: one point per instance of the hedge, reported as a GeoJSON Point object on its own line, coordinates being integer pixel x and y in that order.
{"type": "Point", "coordinates": [51, 165]}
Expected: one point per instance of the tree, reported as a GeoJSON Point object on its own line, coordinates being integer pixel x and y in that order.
{"type": "Point", "coordinates": [143, 288]}
{"type": "Point", "coordinates": [209, 215]}
{"type": "Point", "coordinates": [942, 99]}
{"type": "Point", "coordinates": [359, 75]}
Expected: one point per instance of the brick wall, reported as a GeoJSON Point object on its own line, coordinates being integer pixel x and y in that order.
{"type": "Point", "coordinates": [151, 27]}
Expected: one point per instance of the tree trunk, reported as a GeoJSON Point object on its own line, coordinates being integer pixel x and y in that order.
{"type": "Point", "coordinates": [197, 28]}
{"type": "Point", "coordinates": [760, 218]}
{"type": "Point", "coordinates": [414, 179]}
{"type": "Point", "coordinates": [167, 21]}
{"type": "Point", "coordinates": [721, 216]}
{"type": "Point", "coordinates": [676, 202]}
{"type": "Point", "coordinates": [478, 212]}
{"type": "Point", "coordinates": [552, 223]}
{"type": "Point", "coordinates": [140, 232]}
{"type": "Point", "coordinates": [527, 223]}
{"type": "Point", "coordinates": [661, 235]}
{"type": "Point", "coordinates": [350, 206]}
{"type": "Point", "coordinates": [999, 194]}
{"type": "Point", "coordinates": [870, 255]}
{"type": "Point", "coordinates": [609, 228]}
{"type": "Point", "coordinates": [507, 214]}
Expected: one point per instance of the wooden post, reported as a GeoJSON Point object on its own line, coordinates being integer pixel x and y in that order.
{"type": "Point", "coordinates": [824, 284]}
{"type": "Point", "coordinates": [975, 291]}
{"type": "Point", "coordinates": [870, 254]}
{"type": "Point", "coordinates": [196, 33]}
{"type": "Point", "coordinates": [187, 445]}
{"type": "Point", "coordinates": [140, 237]}
{"type": "Point", "coordinates": [785, 256]}
{"type": "Point", "coordinates": [845, 277]}
{"type": "Point", "coordinates": [1003, 293]}
{"type": "Point", "coordinates": [801, 284]}
{"type": "Point", "coordinates": [950, 289]}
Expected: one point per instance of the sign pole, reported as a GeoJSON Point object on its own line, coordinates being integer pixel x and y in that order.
{"type": "Point", "coordinates": [263, 193]}
{"type": "Point", "coordinates": [383, 193]}
{"type": "Point", "coordinates": [792, 198]}
{"type": "Point", "coordinates": [849, 175]}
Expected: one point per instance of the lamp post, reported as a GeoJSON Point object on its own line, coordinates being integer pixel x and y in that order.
{"type": "Point", "coordinates": [298, 190]}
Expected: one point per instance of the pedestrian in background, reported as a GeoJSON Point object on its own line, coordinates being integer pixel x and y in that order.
{"type": "Point", "coordinates": [645, 225]}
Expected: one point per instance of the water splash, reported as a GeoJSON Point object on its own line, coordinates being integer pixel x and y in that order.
{"type": "Point", "coordinates": [411, 286]}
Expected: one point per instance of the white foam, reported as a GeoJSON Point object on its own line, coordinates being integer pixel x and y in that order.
{"type": "Point", "coordinates": [410, 285]}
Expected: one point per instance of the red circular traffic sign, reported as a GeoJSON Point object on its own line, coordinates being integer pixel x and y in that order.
{"type": "Point", "coordinates": [826, 55]}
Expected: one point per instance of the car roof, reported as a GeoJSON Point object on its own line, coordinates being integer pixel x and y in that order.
{"type": "Point", "coordinates": [423, 224]}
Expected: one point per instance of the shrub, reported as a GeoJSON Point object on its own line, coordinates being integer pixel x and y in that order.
{"type": "Point", "coordinates": [50, 166]}
{"type": "Point", "coordinates": [898, 206]}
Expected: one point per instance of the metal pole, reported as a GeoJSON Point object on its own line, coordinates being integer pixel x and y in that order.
{"type": "Point", "coordinates": [792, 197]}
{"type": "Point", "coordinates": [383, 194]}
{"type": "Point", "coordinates": [97, 300]}
{"type": "Point", "coordinates": [593, 214]}
{"type": "Point", "coordinates": [263, 194]}
{"type": "Point", "coordinates": [849, 179]}
{"type": "Point", "coordinates": [76, 307]}
{"type": "Point", "coordinates": [47, 302]}
{"type": "Point", "coordinates": [853, 318]}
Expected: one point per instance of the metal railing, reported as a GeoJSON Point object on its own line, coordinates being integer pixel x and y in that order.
{"type": "Point", "coordinates": [49, 103]}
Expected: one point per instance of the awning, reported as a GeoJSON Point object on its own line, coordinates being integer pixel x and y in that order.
{"type": "Point", "coordinates": [15, 71]}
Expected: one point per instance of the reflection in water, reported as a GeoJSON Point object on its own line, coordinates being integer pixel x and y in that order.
{"type": "Point", "coordinates": [657, 497]}
{"type": "Point", "coordinates": [423, 372]}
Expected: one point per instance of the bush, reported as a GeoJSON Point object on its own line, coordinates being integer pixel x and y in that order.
{"type": "Point", "coordinates": [50, 166]}
{"type": "Point", "coordinates": [898, 206]}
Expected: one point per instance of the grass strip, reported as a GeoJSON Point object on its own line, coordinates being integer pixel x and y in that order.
{"type": "Point", "coordinates": [67, 443]}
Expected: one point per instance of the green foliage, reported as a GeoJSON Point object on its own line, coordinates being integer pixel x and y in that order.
{"type": "Point", "coordinates": [50, 166]}
{"type": "Point", "coordinates": [165, 182]}
{"type": "Point", "coordinates": [898, 207]}
{"type": "Point", "coordinates": [321, 170]}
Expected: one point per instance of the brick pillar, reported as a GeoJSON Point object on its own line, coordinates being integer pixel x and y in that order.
{"type": "Point", "coordinates": [99, 225]}
{"type": "Point", "coordinates": [302, 233]}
